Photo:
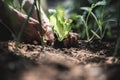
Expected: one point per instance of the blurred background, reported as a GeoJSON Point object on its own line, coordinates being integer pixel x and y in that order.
{"type": "Point", "coordinates": [107, 13]}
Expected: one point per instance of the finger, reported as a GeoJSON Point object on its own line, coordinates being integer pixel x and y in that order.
{"type": "Point", "coordinates": [50, 34]}
{"type": "Point", "coordinates": [46, 26]}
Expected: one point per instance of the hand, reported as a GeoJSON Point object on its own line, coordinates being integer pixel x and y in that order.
{"type": "Point", "coordinates": [72, 40]}
{"type": "Point", "coordinates": [44, 20]}
{"type": "Point", "coordinates": [32, 31]}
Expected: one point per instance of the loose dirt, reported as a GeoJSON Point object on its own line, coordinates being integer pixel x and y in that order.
{"type": "Point", "coordinates": [86, 61]}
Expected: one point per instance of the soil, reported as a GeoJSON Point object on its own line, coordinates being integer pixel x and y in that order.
{"type": "Point", "coordinates": [85, 61]}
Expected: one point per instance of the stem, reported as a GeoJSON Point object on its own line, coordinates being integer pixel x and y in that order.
{"type": "Point", "coordinates": [25, 22]}
{"type": "Point", "coordinates": [118, 40]}
{"type": "Point", "coordinates": [86, 22]}
{"type": "Point", "coordinates": [99, 25]}
{"type": "Point", "coordinates": [116, 48]}
{"type": "Point", "coordinates": [86, 28]}
{"type": "Point", "coordinates": [39, 19]}
{"type": "Point", "coordinates": [87, 33]}
{"type": "Point", "coordinates": [94, 35]}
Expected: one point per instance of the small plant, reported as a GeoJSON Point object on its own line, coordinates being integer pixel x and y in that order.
{"type": "Point", "coordinates": [61, 26]}
{"type": "Point", "coordinates": [95, 20]}
{"type": "Point", "coordinates": [85, 21]}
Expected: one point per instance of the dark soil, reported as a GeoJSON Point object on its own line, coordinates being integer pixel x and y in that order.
{"type": "Point", "coordinates": [86, 61]}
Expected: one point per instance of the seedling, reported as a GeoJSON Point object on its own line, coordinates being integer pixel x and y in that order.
{"type": "Point", "coordinates": [95, 28]}
{"type": "Point", "coordinates": [61, 26]}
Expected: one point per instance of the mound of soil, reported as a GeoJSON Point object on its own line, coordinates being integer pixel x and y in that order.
{"type": "Point", "coordinates": [86, 61]}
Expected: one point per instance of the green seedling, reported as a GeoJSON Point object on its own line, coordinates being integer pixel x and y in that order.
{"type": "Point", "coordinates": [61, 26]}
{"type": "Point", "coordinates": [95, 29]}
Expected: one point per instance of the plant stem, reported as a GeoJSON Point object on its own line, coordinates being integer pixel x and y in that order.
{"type": "Point", "coordinates": [25, 22]}
{"type": "Point", "coordinates": [86, 22]}
{"type": "Point", "coordinates": [39, 19]}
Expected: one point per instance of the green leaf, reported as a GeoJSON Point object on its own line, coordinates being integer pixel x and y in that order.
{"type": "Point", "coordinates": [86, 27]}
{"type": "Point", "coordinates": [101, 3]}
{"type": "Point", "coordinates": [53, 20]}
{"type": "Point", "coordinates": [111, 20]}
{"type": "Point", "coordinates": [85, 8]}
{"type": "Point", "coordinates": [60, 15]}
{"type": "Point", "coordinates": [61, 26]}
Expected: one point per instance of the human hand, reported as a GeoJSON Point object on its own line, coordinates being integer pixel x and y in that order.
{"type": "Point", "coordinates": [32, 30]}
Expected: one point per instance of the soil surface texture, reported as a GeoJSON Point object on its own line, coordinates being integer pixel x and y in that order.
{"type": "Point", "coordinates": [86, 61]}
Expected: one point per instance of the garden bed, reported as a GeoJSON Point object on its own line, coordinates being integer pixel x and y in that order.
{"type": "Point", "coordinates": [86, 61]}
{"type": "Point", "coordinates": [68, 59]}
